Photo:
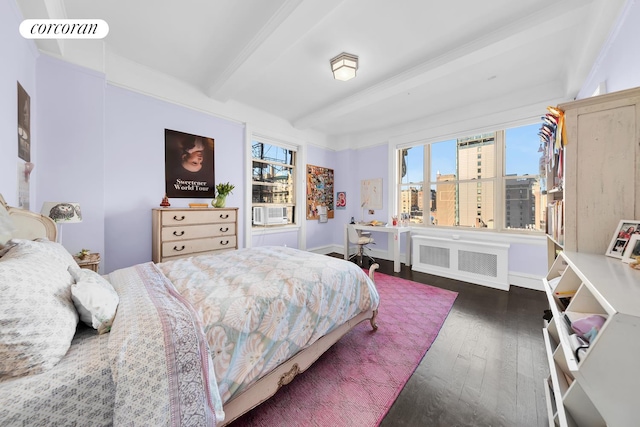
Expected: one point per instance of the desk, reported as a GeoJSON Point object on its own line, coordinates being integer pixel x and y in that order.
{"type": "Point", "coordinates": [394, 241]}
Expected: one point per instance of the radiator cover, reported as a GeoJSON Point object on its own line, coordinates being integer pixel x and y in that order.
{"type": "Point", "coordinates": [482, 263]}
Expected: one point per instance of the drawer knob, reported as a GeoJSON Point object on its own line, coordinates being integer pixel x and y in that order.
{"type": "Point", "coordinates": [225, 216]}
{"type": "Point", "coordinates": [224, 230]}
{"type": "Point", "coordinates": [175, 233]}
{"type": "Point", "coordinates": [175, 248]}
{"type": "Point", "coordinates": [226, 242]}
{"type": "Point", "coordinates": [178, 219]}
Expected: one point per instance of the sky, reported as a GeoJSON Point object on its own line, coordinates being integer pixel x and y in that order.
{"type": "Point", "coordinates": [522, 156]}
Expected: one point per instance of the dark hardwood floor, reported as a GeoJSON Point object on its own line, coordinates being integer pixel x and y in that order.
{"type": "Point", "coordinates": [487, 365]}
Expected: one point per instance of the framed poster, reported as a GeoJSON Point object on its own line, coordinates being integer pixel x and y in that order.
{"type": "Point", "coordinates": [189, 168]}
{"type": "Point", "coordinates": [319, 191]}
{"type": "Point", "coordinates": [24, 124]}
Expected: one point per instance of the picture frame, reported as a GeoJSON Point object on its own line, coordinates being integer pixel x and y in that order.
{"type": "Point", "coordinates": [626, 229]}
{"type": "Point", "coordinates": [632, 250]}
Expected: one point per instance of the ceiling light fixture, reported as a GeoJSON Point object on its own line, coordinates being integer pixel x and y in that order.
{"type": "Point", "coordinates": [344, 66]}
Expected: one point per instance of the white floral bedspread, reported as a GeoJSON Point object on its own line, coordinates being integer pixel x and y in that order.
{"type": "Point", "coordinates": [158, 355]}
{"type": "Point", "coordinates": [260, 306]}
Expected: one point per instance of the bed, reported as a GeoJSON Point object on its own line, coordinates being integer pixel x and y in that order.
{"type": "Point", "coordinates": [194, 341]}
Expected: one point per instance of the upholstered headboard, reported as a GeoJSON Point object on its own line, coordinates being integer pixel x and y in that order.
{"type": "Point", "coordinates": [27, 224]}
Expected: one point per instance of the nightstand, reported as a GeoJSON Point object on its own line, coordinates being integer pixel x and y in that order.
{"type": "Point", "coordinates": [91, 261]}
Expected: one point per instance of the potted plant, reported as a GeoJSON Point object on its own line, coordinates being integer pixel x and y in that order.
{"type": "Point", "coordinates": [84, 253]}
{"type": "Point", "coordinates": [222, 190]}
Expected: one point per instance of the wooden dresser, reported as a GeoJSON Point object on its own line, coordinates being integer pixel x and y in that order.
{"type": "Point", "coordinates": [183, 232]}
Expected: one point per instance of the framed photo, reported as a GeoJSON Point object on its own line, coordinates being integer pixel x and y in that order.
{"type": "Point", "coordinates": [627, 228]}
{"type": "Point", "coordinates": [633, 249]}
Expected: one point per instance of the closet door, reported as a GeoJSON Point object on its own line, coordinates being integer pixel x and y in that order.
{"type": "Point", "coordinates": [602, 168]}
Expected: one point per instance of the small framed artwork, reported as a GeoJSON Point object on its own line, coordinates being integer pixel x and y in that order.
{"type": "Point", "coordinates": [633, 249]}
{"type": "Point", "coordinates": [627, 228]}
{"type": "Point", "coordinates": [341, 200]}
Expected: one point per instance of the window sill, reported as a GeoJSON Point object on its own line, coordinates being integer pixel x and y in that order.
{"type": "Point", "coordinates": [480, 234]}
{"type": "Point", "coordinates": [259, 230]}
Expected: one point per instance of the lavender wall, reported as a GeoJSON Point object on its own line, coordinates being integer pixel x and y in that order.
{"type": "Point", "coordinates": [134, 167]}
{"type": "Point", "coordinates": [18, 57]}
{"type": "Point", "coordinates": [350, 168]}
{"type": "Point", "coordinates": [70, 112]}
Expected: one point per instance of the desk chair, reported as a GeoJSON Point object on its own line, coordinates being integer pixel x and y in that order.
{"type": "Point", "coordinates": [362, 240]}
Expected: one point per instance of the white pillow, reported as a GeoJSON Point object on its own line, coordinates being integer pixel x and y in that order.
{"type": "Point", "coordinates": [94, 298]}
{"type": "Point", "coordinates": [36, 311]}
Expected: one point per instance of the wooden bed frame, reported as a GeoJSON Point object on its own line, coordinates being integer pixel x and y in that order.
{"type": "Point", "coordinates": [32, 225]}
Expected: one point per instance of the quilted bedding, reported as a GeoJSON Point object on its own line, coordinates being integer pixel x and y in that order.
{"type": "Point", "coordinates": [153, 367]}
{"type": "Point", "coordinates": [260, 306]}
{"type": "Point", "coordinates": [77, 388]}
{"type": "Point", "coordinates": [189, 335]}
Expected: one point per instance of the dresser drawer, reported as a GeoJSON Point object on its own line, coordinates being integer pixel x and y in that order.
{"type": "Point", "coordinates": [205, 216]}
{"type": "Point", "coordinates": [179, 233]}
{"type": "Point", "coordinates": [192, 247]}
{"type": "Point", "coordinates": [187, 232]}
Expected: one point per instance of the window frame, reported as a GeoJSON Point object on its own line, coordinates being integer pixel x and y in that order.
{"type": "Point", "coordinates": [500, 180]}
{"type": "Point", "coordinates": [295, 174]}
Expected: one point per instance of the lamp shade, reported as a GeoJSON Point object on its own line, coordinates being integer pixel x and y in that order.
{"type": "Point", "coordinates": [344, 66]}
{"type": "Point", "coordinates": [62, 212]}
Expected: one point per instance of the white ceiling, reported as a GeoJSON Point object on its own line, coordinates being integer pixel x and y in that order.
{"type": "Point", "coordinates": [420, 60]}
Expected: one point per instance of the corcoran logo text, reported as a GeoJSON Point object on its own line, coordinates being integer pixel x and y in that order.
{"type": "Point", "coordinates": [64, 29]}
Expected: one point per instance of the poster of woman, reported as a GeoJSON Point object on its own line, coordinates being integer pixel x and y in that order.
{"type": "Point", "coordinates": [189, 167]}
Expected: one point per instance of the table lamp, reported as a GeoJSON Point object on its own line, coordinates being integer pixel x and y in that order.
{"type": "Point", "coordinates": [62, 212]}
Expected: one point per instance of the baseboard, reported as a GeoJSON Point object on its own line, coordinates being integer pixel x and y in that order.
{"type": "Point", "coordinates": [325, 250]}
{"type": "Point", "coordinates": [376, 254]}
{"type": "Point", "coordinates": [528, 281]}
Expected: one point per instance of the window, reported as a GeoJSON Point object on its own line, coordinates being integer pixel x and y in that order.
{"type": "Point", "coordinates": [525, 204]}
{"type": "Point", "coordinates": [273, 176]}
{"type": "Point", "coordinates": [506, 184]}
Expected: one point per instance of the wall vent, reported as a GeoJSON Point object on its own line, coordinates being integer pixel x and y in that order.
{"type": "Point", "coordinates": [432, 255]}
{"type": "Point", "coordinates": [482, 263]}
{"type": "Point", "coordinates": [478, 263]}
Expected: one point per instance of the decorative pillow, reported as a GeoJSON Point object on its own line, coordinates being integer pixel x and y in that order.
{"type": "Point", "coordinates": [94, 298]}
{"type": "Point", "coordinates": [37, 317]}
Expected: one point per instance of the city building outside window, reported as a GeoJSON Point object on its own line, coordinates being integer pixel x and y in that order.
{"type": "Point", "coordinates": [273, 176]}
{"type": "Point", "coordinates": [503, 193]}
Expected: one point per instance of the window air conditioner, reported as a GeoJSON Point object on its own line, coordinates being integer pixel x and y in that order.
{"type": "Point", "coordinates": [268, 215]}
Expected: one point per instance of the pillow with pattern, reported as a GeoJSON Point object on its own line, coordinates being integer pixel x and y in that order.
{"type": "Point", "coordinates": [94, 298]}
{"type": "Point", "coordinates": [37, 314]}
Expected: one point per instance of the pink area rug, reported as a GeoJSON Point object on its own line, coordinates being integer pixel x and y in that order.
{"type": "Point", "coordinates": [357, 380]}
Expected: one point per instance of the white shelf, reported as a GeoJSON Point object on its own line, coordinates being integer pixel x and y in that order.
{"type": "Point", "coordinates": [600, 387]}
{"type": "Point", "coordinates": [602, 384]}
